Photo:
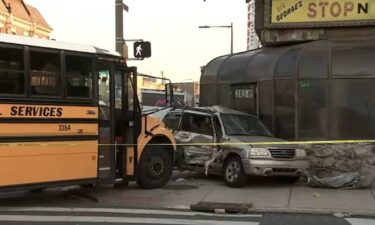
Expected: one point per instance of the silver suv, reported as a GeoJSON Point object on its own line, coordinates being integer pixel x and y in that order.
{"type": "Point", "coordinates": [232, 144]}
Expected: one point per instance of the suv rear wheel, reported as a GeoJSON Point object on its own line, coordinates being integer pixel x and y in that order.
{"type": "Point", "coordinates": [233, 173]}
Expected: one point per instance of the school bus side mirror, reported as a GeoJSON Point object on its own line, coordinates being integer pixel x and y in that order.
{"type": "Point", "coordinates": [169, 97]}
{"type": "Point", "coordinates": [142, 49]}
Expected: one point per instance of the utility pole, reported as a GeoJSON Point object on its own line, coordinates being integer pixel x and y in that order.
{"type": "Point", "coordinates": [120, 41]}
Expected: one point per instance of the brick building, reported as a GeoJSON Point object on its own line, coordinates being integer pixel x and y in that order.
{"type": "Point", "coordinates": [19, 18]}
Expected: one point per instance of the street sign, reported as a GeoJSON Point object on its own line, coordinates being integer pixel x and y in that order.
{"type": "Point", "coordinates": [312, 11]}
{"type": "Point", "coordinates": [142, 49]}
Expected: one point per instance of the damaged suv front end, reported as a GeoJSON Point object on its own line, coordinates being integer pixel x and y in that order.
{"type": "Point", "coordinates": [275, 161]}
{"type": "Point", "coordinates": [261, 154]}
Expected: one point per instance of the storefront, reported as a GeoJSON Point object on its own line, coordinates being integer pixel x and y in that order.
{"type": "Point", "coordinates": [318, 90]}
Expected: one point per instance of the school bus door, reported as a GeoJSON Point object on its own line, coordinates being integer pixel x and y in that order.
{"type": "Point", "coordinates": [118, 127]}
{"type": "Point", "coordinates": [127, 122]}
{"type": "Point", "coordinates": [106, 160]}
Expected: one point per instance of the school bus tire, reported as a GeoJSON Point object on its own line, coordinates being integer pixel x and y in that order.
{"type": "Point", "coordinates": [88, 185]}
{"type": "Point", "coordinates": [37, 190]}
{"type": "Point", "coordinates": [154, 168]}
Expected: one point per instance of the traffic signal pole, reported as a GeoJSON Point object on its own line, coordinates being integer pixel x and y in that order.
{"type": "Point", "coordinates": [119, 11]}
{"type": "Point", "coordinates": [144, 49]}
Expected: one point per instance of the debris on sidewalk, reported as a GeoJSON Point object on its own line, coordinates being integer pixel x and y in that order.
{"type": "Point", "coordinates": [316, 195]}
{"type": "Point", "coordinates": [219, 211]}
{"type": "Point", "coordinates": [349, 180]}
{"type": "Point", "coordinates": [342, 214]}
{"type": "Point", "coordinates": [215, 154]}
{"type": "Point", "coordinates": [221, 207]}
{"type": "Point", "coordinates": [181, 180]}
{"type": "Point", "coordinates": [180, 187]}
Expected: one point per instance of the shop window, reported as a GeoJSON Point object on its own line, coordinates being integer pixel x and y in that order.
{"type": "Point", "coordinates": [45, 73]}
{"type": "Point", "coordinates": [313, 109]}
{"type": "Point", "coordinates": [265, 103]}
{"type": "Point", "coordinates": [353, 109]}
{"type": "Point", "coordinates": [244, 98]}
{"type": "Point", "coordinates": [353, 61]}
{"type": "Point", "coordinates": [12, 75]}
{"type": "Point", "coordinates": [287, 64]}
{"type": "Point", "coordinates": [208, 94]}
{"type": "Point", "coordinates": [285, 109]}
{"type": "Point", "coordinates": [314, 62]}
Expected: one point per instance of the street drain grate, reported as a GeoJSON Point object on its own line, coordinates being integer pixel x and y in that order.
{"type": "Point", "coordinates": [180, 187]}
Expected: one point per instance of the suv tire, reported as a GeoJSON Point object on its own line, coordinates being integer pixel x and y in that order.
{"type": "Point", "coordinates": [233, 173]}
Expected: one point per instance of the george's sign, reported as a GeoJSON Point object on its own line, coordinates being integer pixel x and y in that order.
{"type": "Point", "coordinates": [307, 11]}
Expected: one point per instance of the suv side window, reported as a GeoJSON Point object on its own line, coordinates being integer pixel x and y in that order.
{"type": "Point", "coordinates": [198, 124]}
{"type": "Point", "coordinates": [172, 120]}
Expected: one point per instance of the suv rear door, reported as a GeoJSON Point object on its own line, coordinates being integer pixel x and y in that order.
{"type": "Point", "coordinates": [196, 135]}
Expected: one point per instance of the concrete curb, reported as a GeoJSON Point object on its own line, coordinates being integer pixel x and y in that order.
{"type": "Point", "coordinates": [351, 213]}
{"type": "Point", "coordinates": [356, 213]}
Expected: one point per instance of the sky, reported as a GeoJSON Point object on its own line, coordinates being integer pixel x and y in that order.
{"type": "Point", "coordinates": [179, 48]}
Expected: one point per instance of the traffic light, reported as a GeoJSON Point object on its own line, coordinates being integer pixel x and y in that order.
{"type": "Point", "coordinates": [142, 49]}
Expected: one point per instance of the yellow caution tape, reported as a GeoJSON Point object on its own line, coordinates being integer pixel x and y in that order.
{"type": "Point", "coordinates": [258, 143]}
{"type": "Point", "coordinates": [197, 144]}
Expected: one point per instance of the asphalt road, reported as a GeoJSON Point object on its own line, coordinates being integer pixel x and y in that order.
{"type": "Point", "coordinates": [89, 216]}
{"type": "Point", "coordinates": [77, 206]}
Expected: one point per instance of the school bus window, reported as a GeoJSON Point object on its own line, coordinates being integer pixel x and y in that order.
{"type": "Point", "coordinates": [12, 73]}
{"type": "Point", "coordinates": [104, 112]}
{"type": "Point", "coordinates": [130, 94]}
{"type": "Point", "coordinates": [118, 89]}
{"type": "Point", "coordinates": [79, 76]}
{"type": "Point", "coordinates": [104, 87]}
{"type": "Point", "coordinates": [45, 73]}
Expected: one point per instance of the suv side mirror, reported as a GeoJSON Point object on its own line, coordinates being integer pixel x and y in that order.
{"type": "Point", "coordinates": [169, 96]}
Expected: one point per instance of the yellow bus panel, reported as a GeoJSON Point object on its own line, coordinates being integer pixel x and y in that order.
{"type": "Point", "coordinates": [48, 111]}
{"type": "Point", "coordinates": [129, 161]}
{"type": "Point", "coordinates": [28, 163]}
{"type": "Point", "coordinates": [47, 129]}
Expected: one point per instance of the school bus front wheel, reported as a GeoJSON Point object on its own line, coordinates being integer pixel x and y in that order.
{"type": "Point", "coordinates": [154, 168]}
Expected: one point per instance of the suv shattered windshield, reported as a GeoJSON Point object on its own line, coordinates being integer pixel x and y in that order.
{"type": "Point", "coordinates": [235, 124]}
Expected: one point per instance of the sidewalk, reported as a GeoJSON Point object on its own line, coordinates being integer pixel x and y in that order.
{"type": "Point", "coordinates": [266, 195]}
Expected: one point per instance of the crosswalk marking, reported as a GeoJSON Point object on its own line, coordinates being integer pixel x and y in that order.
{"type": "Point", "coordinates": [360, 221]}
{"type": "Point", "coordinates": [119, 210]}
{"type": "Point", "coordinates": [122, 215]}
{"type": "Point", "coordinates": [36, 215]}
{"type": "Point", "coordinates": [129, 220]}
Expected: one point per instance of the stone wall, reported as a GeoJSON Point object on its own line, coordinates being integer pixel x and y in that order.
{"type": "Point", "coordinates": [333, 159]}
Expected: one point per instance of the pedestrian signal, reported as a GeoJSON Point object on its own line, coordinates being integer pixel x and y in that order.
{"type": "Point", "coordinates": [142, 49]}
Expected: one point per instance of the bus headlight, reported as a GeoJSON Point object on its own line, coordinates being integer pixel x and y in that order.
{"type": "Point", "coordinates": [259, 152]}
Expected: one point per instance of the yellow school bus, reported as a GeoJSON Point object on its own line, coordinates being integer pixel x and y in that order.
{"type": "Point", "coordinates": [69, 116]}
